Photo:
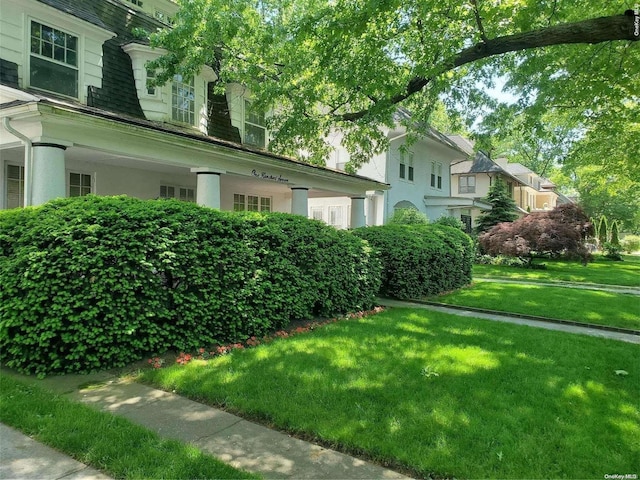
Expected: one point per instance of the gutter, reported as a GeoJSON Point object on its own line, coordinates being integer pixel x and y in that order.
{"type": "Point", "coordinates": [28, 156]}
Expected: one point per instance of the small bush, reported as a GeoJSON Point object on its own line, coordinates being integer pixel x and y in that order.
{"type": "Point", "coordinates": [450, 221]}
{"type": "Point", "coordinates": [408, 216]}
{"type": "Point", "coordinates": [612, 251]}
{"type": "Point", "coordinates": [93, 283]}
{"type": "Point", "coordinates": [421, 260]}
{"type": "Point", "coordinates": [630, 243]}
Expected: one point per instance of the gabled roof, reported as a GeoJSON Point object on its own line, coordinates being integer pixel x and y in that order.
{"type": "Point", "coordinates": [481, 163]}
{"type": "Point", "coordinates": [403, 117]}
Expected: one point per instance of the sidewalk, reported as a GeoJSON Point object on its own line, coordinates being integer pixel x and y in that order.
{"type": "Point", "coordinates": [24, 458]}
{"type": "Point", "coordinates": [594, 332]}
{"type": "Point", "coordinates": [232, 439]}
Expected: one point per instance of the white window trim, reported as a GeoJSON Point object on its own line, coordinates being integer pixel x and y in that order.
{"type": "Point", "coordinates": [5, 179]}
{"type": "Point", "coordinates": [245, 100]}
{"type": "Point", "coordinates": [246, 202]}
{"type": "Point", "coordinates": [68, 173]}
{"type": "Point", "coordinates": [406, 159]}
{"type": "Point", "coordinates": [176, 189]}
{"type": "Point", "coordinates": [467, 185]}
{"type": "Point", "coordinates": [192, 84]}
{"type": "Point", "coordinates": [51, 17]}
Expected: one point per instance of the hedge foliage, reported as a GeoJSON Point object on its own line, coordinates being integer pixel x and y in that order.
{"type": "Point", "coordinates": [421, 260]}
{"type": "Point", "coordinates": [93, 282]}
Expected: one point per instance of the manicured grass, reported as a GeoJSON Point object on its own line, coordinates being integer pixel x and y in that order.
{"type": "Point", "coordinates": [602, 271]}
{"type": "Point", "coordinates": [441, 394]}
{"type": "Point", "coordinates": [111, 444]}
{"type": "Point", "coordinates": [589, 306]}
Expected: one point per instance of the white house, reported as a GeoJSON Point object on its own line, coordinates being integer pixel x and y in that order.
{"type": "Point", "coordinates": [77, 117]}
{"type": "Point", "coordinates": [418, 173]}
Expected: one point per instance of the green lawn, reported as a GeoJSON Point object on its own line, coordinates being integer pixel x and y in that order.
{"type": "Point", "coordinates": [109, 443]}
{"type": "Point", "coordinates": [440, 394]}
{"type": "Point", "coordinates": [601, 271]}
{"type": "Point", "coordinates": [589, 306]}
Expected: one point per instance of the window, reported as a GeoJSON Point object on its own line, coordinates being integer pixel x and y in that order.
{"type": "Point", "coordinates": [316, 213]}
{"type": "Point", "coordinates": [79, 184]}
{"type": "Point", "coordinates": [255, 131]}
{"type": "Point", "coordinates": [467, 184]}
{"type": "Point", "coordinates": [466, 220]}
{"type": "Point", "coordinates": [53, 60]}
{"type": "Point", "coordinates": [15, 186]}
{"type": "Point", "coordinates": [163, 16]}
{"type": "Point", "coordinates": [251, 203]}
{"type": "Point", "coordinates": [406, 166]}
{"type": "Point", "coordinates": [151, 75]}
{"type": "Point", "coordinates": [183, 100]}
{"type": "Point", "coordinates": [184, 194]}
{"type": "Point", "coordinates": [335, 216]}
{"type": "Point", "coordinates": [436, 175]}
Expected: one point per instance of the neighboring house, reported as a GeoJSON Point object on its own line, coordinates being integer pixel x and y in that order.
{"type": "Point", "coordinates": [472, 179]}
{"type": "Point", "coordinates": [538, 194]}
{"type": "Point", "coordinates": [78, 117]}
{"type": "Point", "coordinates": [418, 173]}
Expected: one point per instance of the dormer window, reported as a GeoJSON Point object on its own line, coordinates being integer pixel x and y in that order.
{"type": "Point", "coordinates": [255, 130]}
{"type": "Point", "coordinates": [183, 106]}
{"type": "Point", "coordinates": [53, 61]}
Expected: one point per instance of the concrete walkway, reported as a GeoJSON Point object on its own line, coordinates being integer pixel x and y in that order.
{"type": "Point", "coordinates": [23, 458]}
{"type": "Point", "coordinates": [594, 332]}
{"type": "Point", "coordinates": [232, 439]}
{"type": "Point", "coordinates": [582, 286]}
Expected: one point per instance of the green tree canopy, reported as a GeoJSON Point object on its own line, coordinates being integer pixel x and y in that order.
{"type": "Point", "coordinates": [348, 64]}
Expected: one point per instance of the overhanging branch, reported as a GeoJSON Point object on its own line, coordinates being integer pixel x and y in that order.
{"type": "Point", "coordinates": [596, 30]}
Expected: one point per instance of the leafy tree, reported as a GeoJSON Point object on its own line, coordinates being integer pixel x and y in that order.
{"type": "Point", "coordinates": [326, 64]}
{"type": "Point", "coordinates": [503, 207]}
{"type": "Point", "coordinates": [615, 235]}
{"type": "Point", "coordinates": [561, 231]}
{"type": "Point", "coordinates": [603, 231]}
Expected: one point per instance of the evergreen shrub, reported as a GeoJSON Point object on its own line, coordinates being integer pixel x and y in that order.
{"type": "Point", "coordinates": [92, 283]}
{"type": "Point", "coordinates": [421, 260]}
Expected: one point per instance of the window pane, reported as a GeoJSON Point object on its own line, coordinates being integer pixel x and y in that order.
{"type": "Point", "coordinates": [74, 179]}
{"type": "Point", "coordinates": [265, 204]}
{"type": "Point", "coordinates": [54, 77]}
{"type": "Point", "coordinates": [254, 135]}
{"type": "Point", "coordinates": [433, 180]}
{"type": "Point", "coordinates": [252, 203]}
{"type": "Point", "coordinates": [238, 202]}
{"type": "Point", "coordinates": [402, 166]}
{"type": "Point", "coordinates": [15, 186]}
{"type": "Point", "coordinates": [411, 174]}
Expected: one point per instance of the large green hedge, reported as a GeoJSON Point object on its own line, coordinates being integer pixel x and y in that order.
{"type": "Point", "coordinates": [421, 260]}
{"type": "Point", "coordinates": [94, 282]}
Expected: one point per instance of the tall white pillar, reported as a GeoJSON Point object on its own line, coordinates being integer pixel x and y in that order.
{"type": "Point", "coordinates": [357, 212]}
{"type": "Point", "coordinates": [208, 187]}
{"type": "Point", "coordinates": [300, 201]}
{"type": "Point", "coordinates": [48, 174]}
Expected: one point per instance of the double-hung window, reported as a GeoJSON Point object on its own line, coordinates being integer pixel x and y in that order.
{"type": "Point", "coordinates": [467, 184]}
{"type": "Point", "coordinates": [15, 186]}
{"type": "Point", "coordinates": [53, 60]}
{"type": "Point", "coordinates": [80, 184]}
{"type": "Point", "coordinates": [183, 103]}
{"type": "Point", "coordinates": [436, 175]}
{"type": "Point", "coordinates": [184, 194]}
{"type": "Point", "coordinates": [251, 203]}
{"type": "Point", "coordinates": [255, 130]}
{"type": "Point", "coordinates": [406, 166]}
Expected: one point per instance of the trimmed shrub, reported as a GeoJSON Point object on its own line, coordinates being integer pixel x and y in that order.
{"type": "Point", "coordinates": [421, 260]}
{"type": "Point", "coordinates": [93, 283]}
{"type": "Point", "coordinates": [408, 216]}
{"type": "Point", "coordinates": [630, 243]}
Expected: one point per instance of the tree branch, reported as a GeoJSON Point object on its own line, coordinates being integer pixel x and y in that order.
{"type": "Point", "coordinates": [476, 12]}
{"type": "Point", "coordinates": [596, 30]}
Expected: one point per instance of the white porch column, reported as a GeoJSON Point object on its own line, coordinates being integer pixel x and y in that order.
{"type": "Point", "coordinates": [300, 201]}
{"type": "Point", "coordinates": [208, 187]}
{"type": "Point", "coordinates": [48, 174]}
{"type": "Point", "coordinates": [357, 212]}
